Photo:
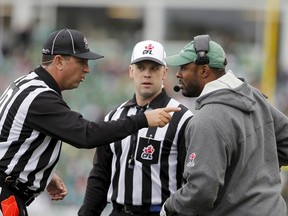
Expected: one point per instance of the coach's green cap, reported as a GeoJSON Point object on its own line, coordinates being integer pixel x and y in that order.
{"type": "Point", "coordinates": [216, 55]}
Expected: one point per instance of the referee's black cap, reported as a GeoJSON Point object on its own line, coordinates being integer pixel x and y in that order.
{"type": "Point", "coordinates": [68, 42]}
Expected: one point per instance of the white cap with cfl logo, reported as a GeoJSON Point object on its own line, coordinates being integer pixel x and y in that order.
{"type": "Point", "coordinates": [148, 50]}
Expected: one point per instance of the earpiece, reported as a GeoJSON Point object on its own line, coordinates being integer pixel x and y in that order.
{"type": "Point", "coordinates": [201, 44]}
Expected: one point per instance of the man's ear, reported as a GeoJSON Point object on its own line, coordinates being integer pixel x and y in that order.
{"type": "Point", "coordinates": [58, 61]}
{"type": "Point", "coordinates": [205, 71]}
{"type": "Point", "coordinates": [131, 74]}
{"type": "Point", "coordinates": [165, 73]}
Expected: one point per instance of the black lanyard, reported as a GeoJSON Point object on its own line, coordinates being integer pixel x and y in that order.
{"type": "Point", "coordinates": [133, 142]}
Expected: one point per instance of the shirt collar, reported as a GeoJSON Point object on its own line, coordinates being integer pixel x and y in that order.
{"type": "Point", "coordinates": [48, 79]}
{"type": "Point", "coordinates": [157, 102]}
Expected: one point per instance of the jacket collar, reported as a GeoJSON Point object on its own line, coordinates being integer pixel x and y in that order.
{"type": "Point", "coordinates": [227, 81]}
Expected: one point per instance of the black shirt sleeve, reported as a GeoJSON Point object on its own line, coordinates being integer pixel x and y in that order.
{"type": "Point", "coordinates": [98, 183]}
{"type": "Point", "coordinates": [50, 115]}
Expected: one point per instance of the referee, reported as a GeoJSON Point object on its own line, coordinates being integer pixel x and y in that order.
{"type": "Point", "coordinates": [138, 173]}
{"type": "Point", "coordinates": [34, 120]}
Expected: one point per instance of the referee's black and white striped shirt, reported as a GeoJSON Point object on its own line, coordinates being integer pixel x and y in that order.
{"type": "Point", "coordinates": [34, 120]}
{"type": "Point", "coordinates": [144, 168]}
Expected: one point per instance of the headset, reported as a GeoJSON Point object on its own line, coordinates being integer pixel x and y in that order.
{"type": "Point", "coordinates": [201, 44]}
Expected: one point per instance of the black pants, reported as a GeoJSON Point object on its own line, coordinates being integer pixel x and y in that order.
{"type": "Point", "coordinates": [6, 193]}
{"type": "Point", "coordinates": [119, 212]}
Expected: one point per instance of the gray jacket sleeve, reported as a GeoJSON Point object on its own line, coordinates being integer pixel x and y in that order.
{"type": "Point", "coordinates": [281, 133]}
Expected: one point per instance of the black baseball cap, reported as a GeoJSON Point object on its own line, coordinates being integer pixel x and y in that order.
{"type": "Point", "coordinates": [68, 42]}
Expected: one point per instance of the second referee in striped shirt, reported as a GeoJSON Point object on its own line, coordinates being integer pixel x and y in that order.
{"type": "Point", "coordinates": [138, 173]}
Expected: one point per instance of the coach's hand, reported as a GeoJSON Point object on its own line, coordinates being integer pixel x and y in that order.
{"type": "Point", "coordinates": [160, 117]}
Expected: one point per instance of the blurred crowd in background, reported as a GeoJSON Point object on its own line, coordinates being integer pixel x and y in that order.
{"type": "Point", "coordinates": [112, 29]}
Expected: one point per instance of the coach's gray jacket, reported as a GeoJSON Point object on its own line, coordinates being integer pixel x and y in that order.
{"type": "Point", "coordinates": [237, 142]}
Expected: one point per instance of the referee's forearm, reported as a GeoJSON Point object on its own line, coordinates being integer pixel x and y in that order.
{"type": "Point", "coordinates": [102, 133]}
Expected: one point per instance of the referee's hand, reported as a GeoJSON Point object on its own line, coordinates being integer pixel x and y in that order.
{"type": "Point", "coordinates": [56, 188]}
{"type": "Point", "coordinates": [160, 117]}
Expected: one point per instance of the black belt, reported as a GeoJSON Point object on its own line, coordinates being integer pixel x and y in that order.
{"type": "Point", "coordinates": [19, 188]}
{"type": "Point", "coordinates": [138, 209]}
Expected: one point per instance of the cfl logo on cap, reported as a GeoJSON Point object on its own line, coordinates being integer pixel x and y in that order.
{"type": "Point", "coordinates": [148, 49]}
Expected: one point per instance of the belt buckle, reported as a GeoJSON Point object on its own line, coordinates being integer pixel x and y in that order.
{"type": "Point", "coordinates": [13, 182]}
{"type": "Point", "coordinates": [10, 180]}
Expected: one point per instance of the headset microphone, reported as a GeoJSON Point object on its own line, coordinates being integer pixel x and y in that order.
{"type": "Point", "coordinates": [176, 88]}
